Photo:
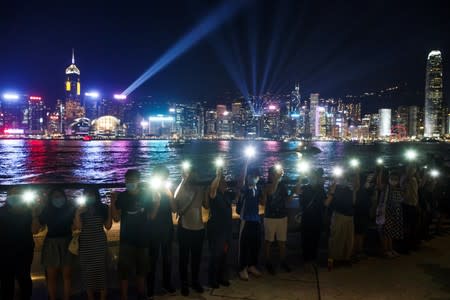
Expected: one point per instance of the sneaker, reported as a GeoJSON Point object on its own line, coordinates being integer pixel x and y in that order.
{"type": "Point", "coordinates": [185, 290]}
{"type": "Point", "coordinates": [270, 269]}
{"type": "Point", "coordinates": [388, 254]}
{"type": "Point", "coordinates": [169, 289]}
{"type": "Point", "coordinates": [225, 283]}
{"type": "Point", "coordinates": [243, 275]}
{"type": "Point", "coordinates": [254, 271]}
{"type": "Point", "coordinates": [286, 267]}
{"type": "Point", "coordinates": [196, 286]}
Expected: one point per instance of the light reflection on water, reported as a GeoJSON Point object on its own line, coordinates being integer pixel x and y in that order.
{"type": "Point", "coordinates": [33, 161]}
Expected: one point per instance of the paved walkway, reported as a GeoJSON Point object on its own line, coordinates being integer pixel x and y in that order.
{"type": "Point", "coordinates": [422, 275]}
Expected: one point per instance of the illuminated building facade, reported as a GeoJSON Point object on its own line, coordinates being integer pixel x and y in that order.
{"type": "Point", "coordinates": [36, 115]}
{"type": "Point", "coordinates": [210, 122]}
{"type": "Point", "coordinates": [72, 107]}
{"type": "Point", "coordinates": [313, 104]}
{"type": "Point", "coordinates": [384, 123]}
{"type": "Point", "coordinates": [189, 120]}
{"type": "Point", "coordinates": [161, 125]}
{"type": "Point", "coordinates": [413, 114]}
{"type": "Point", "coordinates": [434, 120]}
{"type": "Point", "coordinates": [14, 113]}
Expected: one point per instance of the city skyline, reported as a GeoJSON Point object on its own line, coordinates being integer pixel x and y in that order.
{"type": "Point", "coordinates": [97, 52]}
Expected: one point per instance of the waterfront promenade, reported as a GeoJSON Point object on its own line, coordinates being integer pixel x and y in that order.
{"type": "Point", "coordinates": [422, 275]}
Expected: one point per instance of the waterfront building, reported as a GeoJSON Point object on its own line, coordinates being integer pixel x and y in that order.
{"type": "Point", "coordinates": [313, 104]}
{"type": "Point", "coordinates": [36, 115]}
{"type": "Point", "coordinates": [161, 126]}
{"type": "Point", "coordinates": [14, 114]}
{"type": "Point", "coordinates": [434, 95]}
{"type": "Point", "coordinates": [72, 107]}
{"type": "Point", "coordinates": [384, 123]}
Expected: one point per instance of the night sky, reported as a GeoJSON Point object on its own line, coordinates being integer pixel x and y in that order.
{"type": "Point", "coordinates": [329, 47]}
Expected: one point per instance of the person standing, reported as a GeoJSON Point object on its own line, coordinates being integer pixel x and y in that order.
{"type": "Point", "coordinates": [58, 216]}
{"type": "Point", "coordinates": [313, 201]}
{"type": "Point", "coordinates": [250, 224]}
{"type": "Point", "coordinates": [363, 203]}
{"type": "Point", "coordinates": [133, 212]}
{"type": "Point", "coordinates": [219, 230]}
{"type": "Point", "coordinates": [92, 218]}
{"type": "Point", "coordinates": [189, 199]}
{"type": "Point", "coordinates": [410, 187]}
{"type": "Point", "coordinates": [342, 230]}
{"type": "Point", "coordinates": [275, 197]}
{"type": "Point", "coordinates": [18, 223]}
{"type": "Point", "coordinates": [161, 237]}
{"type": "Point", "coordinates": [390, 216]}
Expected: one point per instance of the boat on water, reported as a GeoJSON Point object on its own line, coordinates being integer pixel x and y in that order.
{"type": "Point", "coordinates": [176, 144]}
{"type": "Point", "coordinates": [307, 149]}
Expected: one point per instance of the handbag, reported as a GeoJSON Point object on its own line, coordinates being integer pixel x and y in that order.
{"type": "Point", "coordinates": [74, 245]}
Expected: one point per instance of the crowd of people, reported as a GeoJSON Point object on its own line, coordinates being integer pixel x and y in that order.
{"type": "Point", "coordinates": [402, 201]}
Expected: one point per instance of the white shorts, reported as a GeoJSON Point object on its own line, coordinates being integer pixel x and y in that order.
{"type": "Point", "coordinates": [275, 228]}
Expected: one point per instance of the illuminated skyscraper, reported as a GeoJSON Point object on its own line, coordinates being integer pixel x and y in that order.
{"type": "Point", "coordinates": [36, 114]}
{"type": "Point", "coordinates": [433, 95]}
{"type": "Point", "coordinates": [384, 123]}
{"type": "Point", "coordinates": [313, 104]}
{"type": "Point", "coordinates": [295, 104]}
{"type": "Point", "coordinates": [73, 109]}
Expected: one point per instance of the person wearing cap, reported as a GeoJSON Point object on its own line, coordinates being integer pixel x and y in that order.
{"type": "Point", "coordinates": [248, 199]}
{"type": "Point", "coordinates": [275, 197]}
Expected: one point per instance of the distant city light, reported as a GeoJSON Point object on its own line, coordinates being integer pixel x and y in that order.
{"type": "Point", "coordinates": [272, 107]}
{"type": "Point", "coordinates": [295, 115]}
{"type": "Point", "coordinates": [14, 131]}
{"type": "Point", "coordinates": [161, 118]}
{"type": "Point", "coordinates": [93, 95]}
{"type": "Point", "coordinates": [35, 98]}
{"type": "Point", "coordinates": [144, 124]}
{"type": "Point", "coordinates": [171, 110]}
{"type": "Point", "coordinates": [120, 96]}
{"type": "Point", "coordinates": [10, 96]}
{"type": "Point", "coordinates": [380, 161]}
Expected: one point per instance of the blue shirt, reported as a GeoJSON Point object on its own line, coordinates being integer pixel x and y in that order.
{"type": "Point", "coordinates": [249, 196]}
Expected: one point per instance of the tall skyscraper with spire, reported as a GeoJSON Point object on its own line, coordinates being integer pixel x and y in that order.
{"type": "Point", "coordinates": [72, 107]}
{"type": "Point", "coordinates": [434, 119]}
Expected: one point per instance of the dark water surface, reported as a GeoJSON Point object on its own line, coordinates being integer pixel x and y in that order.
{"type": "Point", "coordinates": [51, 161]}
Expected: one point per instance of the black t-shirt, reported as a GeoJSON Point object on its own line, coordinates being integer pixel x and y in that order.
{"type": "Point", "coordinates": [221, 218]}
{"type": "Point", "coordinates": [343, 201]}
{"type": "Point", "coordinates": [58, 220]}
{"type": "Point", "coordinates": [276, 203]}
{"type": "Point", "coordinates": [363, 201]}
{"type": "Point", "coordinates": [162, 224]}
{"type": "Point", "coordinates": [15, 231]}
{"type": "Point", "coordinates": [134, 223]}
{"type": "Point", "coordinates": [312, 204]}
